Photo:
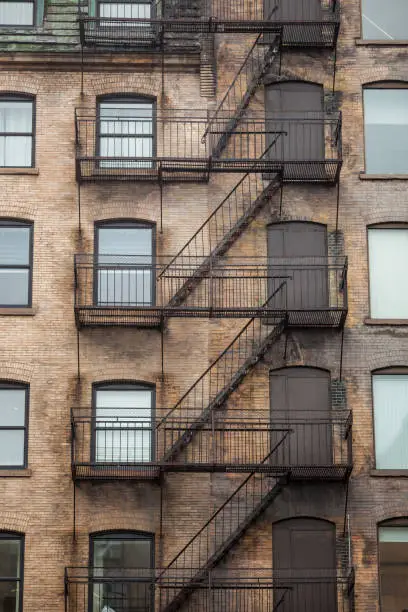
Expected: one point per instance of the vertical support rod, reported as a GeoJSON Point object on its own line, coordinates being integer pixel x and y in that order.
{"type": "Point", "coordinates": [337, 207]}
{"type": "Point", "coordinates": [82, 70]}
{"type": "Point", "coordinates": [341, 354]}
{"type": "Point", "coordinates": [162, 347]}
{"type": "Point", "coordinates": [78, 359]}
{"type": "Point", "coordinates": [162, 64]}
{"type": "Point", "coordinates": [286, 346]}
{"type": "Point", "coordinates": [346, 508]}
{"type": "Point", "coordinates": [281, 199]}
{"type": "Point", "coordinates": [334, 67]}
{"type": "Point", "coordinates": [161, 199]}
{"type": "Point", "coordinates": [79, 209]}
{"type": "Point", "coordinates": [74, 513]}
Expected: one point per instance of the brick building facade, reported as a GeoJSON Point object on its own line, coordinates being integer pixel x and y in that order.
{"type": "Point", "coordinates": [66, 503]}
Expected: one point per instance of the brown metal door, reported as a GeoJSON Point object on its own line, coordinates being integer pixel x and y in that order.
{"type": "Point", "coordinates": [295, 109]}
{"type": "Point", "coordinates": [300, 400]}
{"type": "Point", "coordinates": [297, 256]}
{"type": "Point", "coordinates": [296, 11]}
{"type": "Point", "coordinates": [304, 557]}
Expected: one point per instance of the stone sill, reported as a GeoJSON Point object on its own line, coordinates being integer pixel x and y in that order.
{"type": "Point", "coordinates": [361, 42]}
{"type": "Point", "coordinates": [369, 321]}
{"type": "Point", "coordinates": [382, 177]}
{"type": "Point", "coordinates": [34, 171]}
{"type": "Point", "coordinates": [18, 312]}
{"type": "Point", "coordinates": [16, 473]}
{"type": "Point", "coordinates": [390, 473]}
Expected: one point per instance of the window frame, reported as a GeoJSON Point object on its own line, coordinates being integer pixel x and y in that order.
{"type": "Point", "coordinates": [125, 385]}
{"type": "Point", "coordinates": [15, 535]}
{"type": "Point", "coordinates": [379, 85]}
{"type": "Point", "coordinates": [125, 534]}
{"type": "Point", "coordinates": [20, 26]}
{"type": "Point", "coordinates": [393, 371]}
{"type": "Point", "coordinates": [7, 222]}
{"type": "Point", "coordinates": [6, 384]}
{"type": "Point", "coordinates": [391, 522]}
{"type": "Point", "coordinates": [379, 226]}
{"type": "Point", "coordinates": [130, 224]}
{"type": "Point", "coordinates": [22, 97]}
{"type": "Point", "coordinates": [127, 98]}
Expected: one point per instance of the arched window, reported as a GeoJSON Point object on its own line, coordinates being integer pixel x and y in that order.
{"type": "Point", "coordinates": [125, 263]}
{"type": "Point", "coordinates": [386, 127]}
{"type": "Point", "coordinates": [16, 262]}
{"type": "Point", "coordinates": [17, 120]}
{"type": "Point", "coordinates": [384, 20]}
{"type": "Point", "coordinates": [13, 424]}
{"type": "Point", "coordinates": [390, 404]}
{"type": "Point", "coordinates": [123, 423]}
{"type": "Point", "coordinates": [120, 562]}
{"type": "Point", "coordinates": [126, 131]}
{"type": "Point", "coordinates": [393, 564]}
{"type": "Point", "coordinates": [387, 256]}
{"type": "Point", "coordinates": [11, 571]}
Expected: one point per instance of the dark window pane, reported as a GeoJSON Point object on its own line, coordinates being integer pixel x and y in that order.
{"type": "Point", "coordinates": [9, 596]}
{"type": "Point", "coordinates": [14, 287]}
{"type": "Point", "coordinates": [12, 407]}
{"type": "Point", "coordinates": [10, 550]}
{"type": "Point", "coordinates": [111, 554]}
{"type": "Point", "coordinates": [393, 557]}
{"type": "Point", "coordinates": [386, 131]}
{"type": "Point", "coordinates": [385, 20]}
{"type": "Point", "coordinates": [14, 246]}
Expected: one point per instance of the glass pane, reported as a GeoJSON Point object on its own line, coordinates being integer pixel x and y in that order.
{"type": "Point", "coordinates": [14, 246]}
{"type": "Point", "coordinates": [388, 253]}
{"type": "Point", "coordinates": [121, 554]}
{"type": "Point", "coordinates": [16, 116]}
{"type": "Point", "coordinates": [125, 10]}
{"type": "Point", "coordinates": [9, 558]}
{"type": "Point", "coordinates": [124, 287]}
{"type": "Point", "coordinates": [12, 447]}
{"type": "Point", "coordinates": [9, 596]}
{"type": "Point", "coordinates": [124, 426]}
{"type": "Point", "coordinates": [15, 151]}
{"type": "Point", "coordinates": [393, 558]}
{"type": "Point", "coordinates": [16, 13]}
{"type": "Point", "coordinates": [385, 20]}
{"type": "Point", "coordinates": [390, 393]}
{"type": "Point", "coordinates": [386, 131]}
{"type": "Point", "coordinates": [127, 241]}
{"type": "Point", "coordinates": [14, 287]}
{"type": "Point", "coordinates": [12, 407]}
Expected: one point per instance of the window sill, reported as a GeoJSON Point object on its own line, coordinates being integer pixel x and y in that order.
{"type": "Point", "coordinates": [382, 177]}
{"type": "Point", "coordinates": [15, 473]}
{"type": "Point", "coordinates": [361, 42]}
{"type": "Point", "coordinates": [369, 321]}
{"type": "Point", "coordinates": [17, 312]}
{"type": "Point", "coordinates": [390, 473]}
{"type": "Point", "coordinates": [33, 171]}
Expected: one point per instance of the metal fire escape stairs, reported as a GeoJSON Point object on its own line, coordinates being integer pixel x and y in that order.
{"type": "Point", "coordinates": [209, 546]}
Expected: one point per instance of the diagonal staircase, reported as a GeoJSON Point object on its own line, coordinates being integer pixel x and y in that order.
{"type": "Point", "coordinates": [222, 228]}
{"type": "Point", "coordinates": [219, 534]}
{"type": "Point", "coordinates": [263, 57]}
{"type": "Point", "coordinates": [220, 380]}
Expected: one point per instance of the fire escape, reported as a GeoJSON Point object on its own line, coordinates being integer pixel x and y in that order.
{"type": "Point", "coordinates": [201, 433]}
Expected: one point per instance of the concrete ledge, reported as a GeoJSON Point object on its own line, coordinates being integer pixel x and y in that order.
{"type": "Point", "coordinates": [34, 171]}
{"type": "Point", "coordinates": [361, 42]}
{"type": "Point", "coordinates": [390, 473]}
{"type": "Point", "coordinates": [18, 312]}
{"type": "Point", "coordinates": [400, 322]}
{"type": "Point", "coordinates": [382, 177]}
{"type": "Point", "coordinates": [16, 473]}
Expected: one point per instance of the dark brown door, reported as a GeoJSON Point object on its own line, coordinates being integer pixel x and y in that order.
{"type": "Point", "coordinates": [293, 10]}
{"type": "Point", "coordinates": [300, 400]}
{"type": "Point", "coordinates": [295, 109]}
{"type": "Point", "coordinates": [297, 257]}
{"type": "Point", "coordinates": [304, 557]}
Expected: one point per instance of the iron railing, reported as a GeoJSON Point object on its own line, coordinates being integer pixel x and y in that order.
{"type": "Point", "coordinates": [301, 28]}
{"type": "Point", "coordinates": [176, 145]}
{"type": "Point", "coordinates": [135, 443]}
{"type": "Point", "coordinates": [116, 290]}
{"type": "Point", "coordinates": [232, 590]}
